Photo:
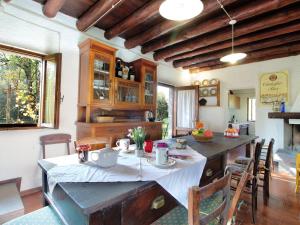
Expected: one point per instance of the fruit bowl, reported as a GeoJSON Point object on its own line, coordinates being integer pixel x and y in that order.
{"type": "Point", "coordinates": [202, 138]}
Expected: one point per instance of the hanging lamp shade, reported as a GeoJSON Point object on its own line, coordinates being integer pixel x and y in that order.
{"type": "Point", "coordinates": [233, 57]}
{"type": "Point", "coordinates": [179, 10]}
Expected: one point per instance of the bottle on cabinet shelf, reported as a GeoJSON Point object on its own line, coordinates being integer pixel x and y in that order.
{"type": "Point", "coordinates": [131, 73]}
{"type": "Point", "coordinates": [119, 70]}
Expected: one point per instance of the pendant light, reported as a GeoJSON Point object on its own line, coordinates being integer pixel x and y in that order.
{"type": "Point", "coordinates": [179, 10]}
{"type": "Point", "coordinates": [233, 57]}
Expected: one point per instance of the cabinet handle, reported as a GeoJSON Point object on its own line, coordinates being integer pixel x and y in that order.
{"type": "Point", "coordinates": [209, 172]}
{"type": "Point", "coordinates": [158, 202]}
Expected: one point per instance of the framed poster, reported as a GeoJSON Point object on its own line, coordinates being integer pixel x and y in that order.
{"type": "Point", "coordinates": [274, 87]}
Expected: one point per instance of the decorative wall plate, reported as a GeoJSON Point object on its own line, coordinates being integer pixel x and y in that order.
{"type": "Point", "coordinates": [204, 92]}
{"type": "Point", "coordinates": [197, 82]}
{"type": "Point", "coordinates": [213, 91]}
{"type": "Point", "coordinates": [205, 82]}
{"type": "Point", "coordinates": [213, 82]}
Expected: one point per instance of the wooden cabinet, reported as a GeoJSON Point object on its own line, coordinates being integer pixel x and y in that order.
{"type": "Point", "coordinates": [97, 63]}
{"type": "Point", "coordinates": [118, 130]}
{"type": "Point", "coordinates": [101, 93]}
{"type": "Point", "coordinates": [146, 71]}
{"type": "Point", "coordinates": [127, 93]}
{"type": "Point", "coordinates": [233, 101]}
{"type": "Point", "coordinates": [99, 88]}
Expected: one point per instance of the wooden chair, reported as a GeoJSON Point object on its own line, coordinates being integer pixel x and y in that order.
{"type": "Point", "coordinates": [265, 170]}
{"type": "Point", "coordinates": [55, 139]}
{"type": "Point", "coordinates": [216, 205]}
{"type": "Point", "coordinates": [244, 164]}
{"type": "Point", "coordinates": [298, 173]}
{"type": "Point", "coordinates": [95, 142]}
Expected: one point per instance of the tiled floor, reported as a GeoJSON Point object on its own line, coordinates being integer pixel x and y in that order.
{"type": "Point", "coordinates": [283, 207]}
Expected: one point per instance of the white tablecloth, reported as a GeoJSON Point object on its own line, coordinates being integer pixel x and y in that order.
{"type": "Point", "coordinates": [176, 180]}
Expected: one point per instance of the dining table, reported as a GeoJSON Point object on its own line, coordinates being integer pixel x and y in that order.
{"type": "Point", "coordinates": [136, 202]}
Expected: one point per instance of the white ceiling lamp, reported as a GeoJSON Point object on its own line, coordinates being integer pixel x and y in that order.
{"type": "Point", "coordinates": [179, 10]}
{"type": "Point", "coordinates": [233, 57]}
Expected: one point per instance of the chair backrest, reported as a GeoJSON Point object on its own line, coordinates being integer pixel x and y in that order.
{"type": "Point", "coordinates": [269, 154]}
{"type": "Point", "coordinates": [226, 210]}
{"type": "Point", "coordinates": [236, 197]}
{"type": "Point", "coordinates": [95, 142]}
{"type": "Point", "coordinates": [55, 139]}
{"type": "Point", "coordinates": [257, 153]}
{"type": "Point", "coordinates": [197, 194]}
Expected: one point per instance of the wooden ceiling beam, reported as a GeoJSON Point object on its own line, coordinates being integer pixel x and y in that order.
{"type": "Point", "coordinates": [247, 39]}
{"type": "Point", "coordinates": [258, 59]}
{"type": "Point", "coordinates": [271, 42]}
{"type": "Point", "coordinates": [52, 7]}
{"type": "Point", "coordinates": [94, 14]}
{"type": "Point", "coordinates": [287, 50]}
{"type": "Point", "coordinates": [280, 17]}
{"type": "Point", "coordinates": [147, 11]}
{"type": "Point", "coordinates": [167, 25]}
{"type": "Point", "coordinates": [246, 11]}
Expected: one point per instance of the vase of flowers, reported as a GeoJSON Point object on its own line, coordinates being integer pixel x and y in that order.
{"type": "Point", "coordinates": [138, 135]}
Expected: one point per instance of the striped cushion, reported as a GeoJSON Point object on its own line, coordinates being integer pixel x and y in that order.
{"type": "Point", "coordinates": [179, 215]}
{"type": "Point", "coordinates": [43, 216]}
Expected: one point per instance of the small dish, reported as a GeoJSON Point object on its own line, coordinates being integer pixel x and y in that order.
{"type": "Point", "coordinates": [171, 162]}
{"type": "Point", "coordinates": [197, 82]}
{"type": "Point", "coordinates": [205, 82]}
{"type": "Point", "coordinates": [213, 91]}
{"type": "Point", "coordinates": [204, 92]}
{"type": "Point", "coordinates": [213, 82]}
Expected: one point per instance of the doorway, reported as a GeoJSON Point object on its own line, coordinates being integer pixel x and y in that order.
{"type": "Point", "coordinates": [164, 109]}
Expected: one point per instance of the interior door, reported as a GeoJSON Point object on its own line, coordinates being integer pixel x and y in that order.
{"type": "Point", "coordinates": [186, 109]}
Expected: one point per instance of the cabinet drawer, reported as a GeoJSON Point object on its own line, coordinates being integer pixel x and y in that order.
{"type": "Point", "coordinates": [147, 206]}
{"type": "Point", "coordinates": [213, 169]}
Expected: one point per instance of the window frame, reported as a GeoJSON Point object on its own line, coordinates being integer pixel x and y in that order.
{"type": "Point", "coordinates": [43, 58]}
{"type": "Point", "coordinates": [248, 105]}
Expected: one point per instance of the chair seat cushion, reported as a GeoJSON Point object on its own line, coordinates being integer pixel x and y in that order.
{"type": "Point", "coordinates": [179, 215]}
{"type": "Point", "coordinates": [43, 216]}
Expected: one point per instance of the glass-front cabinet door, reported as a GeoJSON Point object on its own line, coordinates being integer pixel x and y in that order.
{"type": "Point", "coordinates": [149, 82]}
{"type": "Point", "coordinates": [102, 77]}
{"type": "Point", "coordinates": [127, 92]}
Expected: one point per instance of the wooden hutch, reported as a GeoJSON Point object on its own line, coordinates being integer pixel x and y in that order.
{"type": "Point", "coordinates": [102, 94]}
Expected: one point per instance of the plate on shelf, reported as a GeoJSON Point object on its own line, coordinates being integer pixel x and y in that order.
{"type": "Point", "coordinates": [213, 82]}
{"type": "Point", "coordinates": [197, 82]}
{"type": "Point", "coordinates": [213, 91]}
{"type": "Point", "coordinates": [205, 82]}
{"type": "Point", "coordinates": [204, 92]}
{"type": "Point", "coordinates": [170, 163]}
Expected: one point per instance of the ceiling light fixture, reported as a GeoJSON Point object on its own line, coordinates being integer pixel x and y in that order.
{"type": "Point", "coordinates": [233, 57]}
{"type": "Point", "coordinates": [179, 10]}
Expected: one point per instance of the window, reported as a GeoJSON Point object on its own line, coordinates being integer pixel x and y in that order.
{"type": "Point", "coordinates": [251, 109]}
{"type": "Point", "coordinates": [29, 88]}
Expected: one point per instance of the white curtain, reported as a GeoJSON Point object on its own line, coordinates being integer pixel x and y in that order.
{"type": "Point", "coordinates": [186, 108]}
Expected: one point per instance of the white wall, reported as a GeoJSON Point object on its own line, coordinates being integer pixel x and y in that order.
{"type": "Point", "coordinates": [245, 77]}
{"type": "Point", "coordinates": [22, 24]}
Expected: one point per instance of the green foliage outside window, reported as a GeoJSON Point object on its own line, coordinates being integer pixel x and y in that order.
{"type": "Point", "coordinates": [19, 89]}
{"type": "Point", "coordinates": [162, 113]}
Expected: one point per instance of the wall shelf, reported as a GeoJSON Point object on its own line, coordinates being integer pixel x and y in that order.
{"type": "Point", "coordinates": [286, 115]}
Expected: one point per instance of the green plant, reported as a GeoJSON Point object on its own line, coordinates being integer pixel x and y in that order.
{"type": "Point", "coordinates": [138, 135]}
{"type": "Point", "coordinates": [162, 107]}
